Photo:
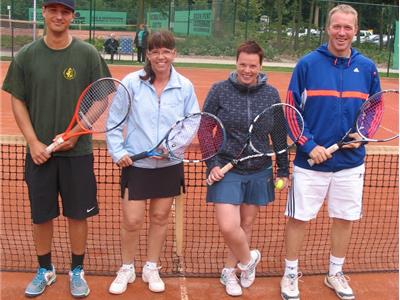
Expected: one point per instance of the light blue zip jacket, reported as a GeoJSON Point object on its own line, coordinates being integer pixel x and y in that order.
{"type": "Point", "coordinates": [150, 117]}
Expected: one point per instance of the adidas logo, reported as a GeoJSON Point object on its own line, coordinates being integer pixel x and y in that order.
{"type": "Point", "coordinates": [356, 70]}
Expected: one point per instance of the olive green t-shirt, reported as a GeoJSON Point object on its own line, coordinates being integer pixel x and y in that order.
{"type": "Point", "coordinates": [50, 82]}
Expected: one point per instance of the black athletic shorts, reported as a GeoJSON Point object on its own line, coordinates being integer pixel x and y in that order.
{"type": "Point", "coordinates": [70, 177]}
{"type": "Point", "coordinates": [145, 183]}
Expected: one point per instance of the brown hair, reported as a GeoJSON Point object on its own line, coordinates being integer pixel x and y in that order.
{"type": "Point", "coordinates": [344, 8]}
{"type": "Point", "coordinates": [157, 39]}
{"type": "Point", "coordinates": [250, 47]}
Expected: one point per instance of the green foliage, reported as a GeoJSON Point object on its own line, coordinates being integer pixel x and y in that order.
{"type": "Point", "coordinates": [373, 52]}
{"type": "Point", "coordinates": [98, 43]}
{"type": "Point", "coordinates": [204, 46]}
{"type": "Point", "coordinates": [19, 41]}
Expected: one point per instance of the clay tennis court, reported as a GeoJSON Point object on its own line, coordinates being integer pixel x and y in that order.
{"type": "Point", "coordinates": [366, 285]}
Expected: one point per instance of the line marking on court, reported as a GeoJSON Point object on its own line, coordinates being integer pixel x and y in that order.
{"type": "Point", "coordinates": [182, 284]}
{"type": "Point", "coordinates": [388, 129]}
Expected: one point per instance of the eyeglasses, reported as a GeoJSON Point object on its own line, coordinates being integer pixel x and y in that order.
{"type": "Point", "coordinates": [162, 52]}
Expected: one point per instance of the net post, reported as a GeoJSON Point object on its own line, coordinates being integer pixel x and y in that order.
{"type": "Point", "coordinates": [179, 223]}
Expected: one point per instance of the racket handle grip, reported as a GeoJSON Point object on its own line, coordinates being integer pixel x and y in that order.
{"type": "Point", "coordinates": [139, 156]}
{"type": "Point", "coordinates": [225, 169]}
{"type": "Point", "coordinates": [58, 141]}
{"type": "Point", "coordinates": [331, 149]}
{"type": "Point", "coordinates": [155, 152]}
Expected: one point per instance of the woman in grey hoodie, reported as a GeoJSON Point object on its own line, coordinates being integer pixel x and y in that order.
{"type": "Point", "coordinates": [238, 194]}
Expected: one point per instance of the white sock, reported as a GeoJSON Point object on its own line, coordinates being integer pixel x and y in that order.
{"type": "Point", "coordinates": [291, 267]}
{"type": "Point", "coordinates": [335, 265]}
{"type": "Point", "coordinates": [242, 266]}
{"type": "Point", "coordinates": [151, 265]}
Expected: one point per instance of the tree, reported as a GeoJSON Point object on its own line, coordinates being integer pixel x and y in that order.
{"type": "Point", "coordinates": [279, 9]}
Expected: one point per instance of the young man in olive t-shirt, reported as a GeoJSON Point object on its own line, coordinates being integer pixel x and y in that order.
{"type": "Point", "coordinates": [45, 80]}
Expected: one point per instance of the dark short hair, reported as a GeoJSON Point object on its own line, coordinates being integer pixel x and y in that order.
{"type": "Point", "coordinates": [250, 47]}
{"type": "Point", "coordinates": [70, 4]}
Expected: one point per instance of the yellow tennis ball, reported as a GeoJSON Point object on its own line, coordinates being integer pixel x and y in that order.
{"type": "Point", "coordinates": [279, 184]}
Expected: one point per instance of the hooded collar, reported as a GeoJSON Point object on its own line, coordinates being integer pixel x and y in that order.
{"type": "Point", "coordinates": [261, 81]}
{"type": "Point", "coordinates": [338, 61]}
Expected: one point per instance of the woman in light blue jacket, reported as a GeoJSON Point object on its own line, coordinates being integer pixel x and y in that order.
{"type": "Point", "coordinates": [161, 96]}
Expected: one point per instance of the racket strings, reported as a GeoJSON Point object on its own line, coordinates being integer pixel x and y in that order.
{"type": "Point", "coordinates": [276, 129]}
{"type": "Point", "coordinates": [95, 103]}
{"type": "Point", "coordinates": [211, 137]}
{"type": "Point", "coordinates": [280, 130]}
{"type": "Point", "coordinates": [182, 135]}
{"type": "Point", "coordinates": [370, 116]}
{"type": "Point", "coordinates": [295, 123]}
{"type": "Point", "coordinates": [198, 128]}
{"type": "Point", "coordinates": [378, 118]}
{"type": "Point", "coordinates": [260, 132]}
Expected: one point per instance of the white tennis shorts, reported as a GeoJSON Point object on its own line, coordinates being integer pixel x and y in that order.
{"type": "Point", "coordinates": [342, 190]}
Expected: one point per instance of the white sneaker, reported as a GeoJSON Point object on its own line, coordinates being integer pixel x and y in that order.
{"type": "Point", "coordinates": [152, 277]}
{"type": "Point", "coordinates": [231, 282]}
{"type": "Point", "coordinates": [248, 274]}
{"type": "Point", "coordinates": [126, 274]}
{"type": "Point", "coordinates": [339, 283]}
{"type": "Point", "coordinates": [290, 287]}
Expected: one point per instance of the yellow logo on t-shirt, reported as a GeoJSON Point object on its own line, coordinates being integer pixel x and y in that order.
{"type": "Point", "coordinates": [69, 73]}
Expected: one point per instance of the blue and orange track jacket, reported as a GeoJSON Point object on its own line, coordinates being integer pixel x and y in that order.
{"type": "Point", "coordinates": [329, 91]}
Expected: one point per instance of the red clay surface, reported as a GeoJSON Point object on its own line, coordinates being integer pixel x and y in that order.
{"type": "Point", "coordinates": [377, 286]}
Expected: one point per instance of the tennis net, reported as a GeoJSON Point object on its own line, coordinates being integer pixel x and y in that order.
{"type": "Point", "coordinates": [194, 245]}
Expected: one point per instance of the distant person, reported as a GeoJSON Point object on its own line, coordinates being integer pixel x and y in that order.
{"type": "Point", "coordinates": [141, 43]}
{"type": "Point", "coordinates": [111, 46]}
{"type": "Point", "coordinates": [328, 86]}
{"type": "Point", "coordinates": [45, 80]}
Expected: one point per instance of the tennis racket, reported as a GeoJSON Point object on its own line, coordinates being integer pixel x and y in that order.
{"type": "Point", "coordinates": [206, 128]}
{"type": "Point", "coordinates": [273, 131]}
{"type": "Point", "coordinates": [371, 122]}
{"type": "Point", "coordinates": [92, 108]}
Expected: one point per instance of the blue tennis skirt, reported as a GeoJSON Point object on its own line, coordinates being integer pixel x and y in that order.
{"type": "Point", "coordinates": [256, 188]}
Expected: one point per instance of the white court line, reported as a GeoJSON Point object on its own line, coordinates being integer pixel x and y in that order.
{"type": "Point", "coordinates": [182, 284]}
{"type": "Point", "coordinates": [389, 130]}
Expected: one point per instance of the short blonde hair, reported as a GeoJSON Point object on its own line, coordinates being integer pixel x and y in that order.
{"type": "Point", "coordinates": [344, 8]}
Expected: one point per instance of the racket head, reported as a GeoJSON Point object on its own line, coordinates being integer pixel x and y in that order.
{"type": "Point", "coordinates": [202, 129]}
{"type": "Point", "coordinates": [375, 115]}
{"type": "Point", "coordinates": [276, 129]}
{"type": "Point", "coordinates": [101, 97]}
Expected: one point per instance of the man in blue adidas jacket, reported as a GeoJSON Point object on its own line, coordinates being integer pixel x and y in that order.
{"type": "Point", "coordinates": [328, 86]}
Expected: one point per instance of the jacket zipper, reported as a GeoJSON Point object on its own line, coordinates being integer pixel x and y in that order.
{"type": "Point", "coordinates": [158, 121]}
{"type": "Point", "coordinates": [249, 119]}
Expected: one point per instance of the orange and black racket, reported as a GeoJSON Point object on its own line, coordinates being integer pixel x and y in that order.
{"type": "Point", "coordinates": [93, 107]}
